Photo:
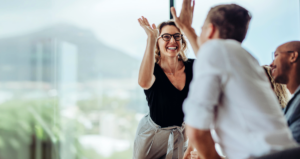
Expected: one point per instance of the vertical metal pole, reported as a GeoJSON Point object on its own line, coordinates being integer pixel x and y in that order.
{"type": "Point", "coordinates": [171, 5]}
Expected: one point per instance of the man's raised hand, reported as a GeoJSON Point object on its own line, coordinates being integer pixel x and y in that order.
{"type": "Point", "coordinates": [185, 18]}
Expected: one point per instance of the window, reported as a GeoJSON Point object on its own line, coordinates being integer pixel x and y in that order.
{"type": "Point", "coordinates": [68, 70]}
{"type": "Point", "coordinates": [68, 77]}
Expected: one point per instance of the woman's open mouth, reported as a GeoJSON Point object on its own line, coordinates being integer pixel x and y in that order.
{"type": "Point", "coordinates": [172, 48]}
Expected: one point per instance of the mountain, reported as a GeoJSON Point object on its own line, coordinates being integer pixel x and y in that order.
{"type": "Point", "coordinates": [24, 58]}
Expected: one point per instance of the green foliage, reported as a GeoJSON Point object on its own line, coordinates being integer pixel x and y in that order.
{"type": "Point", "coordinates": [22, 119]}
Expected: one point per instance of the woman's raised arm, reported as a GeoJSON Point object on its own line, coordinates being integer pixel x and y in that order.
{"type": "Point", "coordinates": [146, 77]}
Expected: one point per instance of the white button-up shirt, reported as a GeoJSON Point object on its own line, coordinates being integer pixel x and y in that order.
{"type": "Point", "coordinates": [230, 92]}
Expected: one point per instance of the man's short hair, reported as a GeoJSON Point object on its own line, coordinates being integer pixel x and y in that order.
{"type": "Point", "coordinates": [231, 20]}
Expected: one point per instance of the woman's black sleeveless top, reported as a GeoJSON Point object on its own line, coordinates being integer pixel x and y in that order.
{"type": "Point", "coordinates": [165, 100]}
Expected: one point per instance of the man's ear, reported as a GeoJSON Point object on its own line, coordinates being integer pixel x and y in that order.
{"type": "Point", "coordinates": [295, 56]}
{"type": "Point", "coordinates": [211, 29]}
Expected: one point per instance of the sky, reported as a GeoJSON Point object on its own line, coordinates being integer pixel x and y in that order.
{"type": "Point", "coordinates": [115, 24]}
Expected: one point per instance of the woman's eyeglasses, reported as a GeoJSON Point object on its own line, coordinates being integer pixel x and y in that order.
{"type": "Point", "coordinates": [167, 37]}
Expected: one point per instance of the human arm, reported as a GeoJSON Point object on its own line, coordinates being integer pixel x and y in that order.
{"type": "Point", "coordinates": [203, 98]}
{"type": "Point", "coordinates": [146, 77]}
{"type": "Point", "coordinates": [205, 148]}
{"type": "Point", "coordinates": [184, 22]}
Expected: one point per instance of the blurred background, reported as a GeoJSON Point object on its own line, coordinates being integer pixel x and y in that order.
{"type": "Point", "coordinates": [69, 68]}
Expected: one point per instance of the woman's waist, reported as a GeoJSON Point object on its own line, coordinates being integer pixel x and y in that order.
{"type": "Point", "coordinates": [167, 120]}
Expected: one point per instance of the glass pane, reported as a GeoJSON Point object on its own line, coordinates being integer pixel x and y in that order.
{"type": "Point", "coordinates": [68, 77]}
{"type": "Point", "coordinates": [274, 22]}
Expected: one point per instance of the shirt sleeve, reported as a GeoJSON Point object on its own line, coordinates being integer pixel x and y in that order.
{"type": "Point", "coordinates": [295, 119]}
{"type": "Point", "coordinates": [205, 87]}
{"type": "Point", "coordinates": [295, 129]}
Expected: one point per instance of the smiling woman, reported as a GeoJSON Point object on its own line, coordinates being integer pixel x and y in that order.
{"type": "Point", "coordinates": [69, 76]}
{"type": "Point", "coordinates": [165, 74]}
{"type": "Point", "coordinates": [177, 36]}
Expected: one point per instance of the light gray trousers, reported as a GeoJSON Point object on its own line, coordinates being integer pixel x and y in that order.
{"type": "Point", "coordinates": [153, 142]}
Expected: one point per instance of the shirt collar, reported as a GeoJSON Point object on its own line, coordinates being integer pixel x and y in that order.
{"type": "Point", "coordinates": [297, 90]}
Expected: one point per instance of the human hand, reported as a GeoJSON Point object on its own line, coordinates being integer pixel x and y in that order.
{"type": "Point", "coordinates": [187, 153]}
{"type": "Point", "coordinates": [185, 18]}
{"type": "Point", "coordinates": [150, 31]}
{"type": "Point", "coordinates": [194, 155]}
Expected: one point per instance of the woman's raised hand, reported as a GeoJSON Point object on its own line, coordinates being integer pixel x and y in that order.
{"type": "Point", "coordinates": [150, 31]}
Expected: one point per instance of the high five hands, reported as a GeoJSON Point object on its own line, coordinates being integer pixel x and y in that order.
{"type": "Point", "coordinates": [185, 18]}
{"type": "Point", "coordinates": [152, 32]}
{"type": "Point", "coordinates": [184, 22]}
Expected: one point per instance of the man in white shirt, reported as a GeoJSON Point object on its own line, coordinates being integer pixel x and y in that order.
{"type": "Point", "coordinates": [229, 91]}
